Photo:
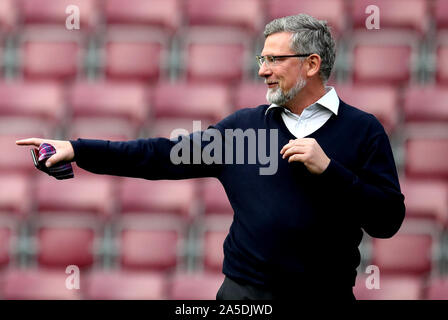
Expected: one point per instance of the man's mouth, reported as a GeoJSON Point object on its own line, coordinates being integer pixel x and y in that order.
{"type": "Point", "coordinates": [272, 84]}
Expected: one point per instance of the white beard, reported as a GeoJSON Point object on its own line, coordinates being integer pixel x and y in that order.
{"type": "Point", "coordinates": [280, 98]}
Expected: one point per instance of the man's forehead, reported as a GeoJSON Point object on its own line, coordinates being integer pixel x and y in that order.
{"type": "Point", "coordinates": [277, 43]}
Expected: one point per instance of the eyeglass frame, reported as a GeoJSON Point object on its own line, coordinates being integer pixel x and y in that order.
{"type": "Point", "coordinates": [258, 57]}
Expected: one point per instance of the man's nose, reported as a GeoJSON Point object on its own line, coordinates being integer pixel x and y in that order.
{"type": "Point", "coordinates": [264, 71]}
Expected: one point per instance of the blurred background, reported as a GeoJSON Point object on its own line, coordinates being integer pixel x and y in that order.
{"type": "Point", "coordinates": [140, 68]}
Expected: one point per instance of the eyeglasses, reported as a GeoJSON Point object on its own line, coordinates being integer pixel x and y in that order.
{"type": "Point", "coordinates": [273, 60]}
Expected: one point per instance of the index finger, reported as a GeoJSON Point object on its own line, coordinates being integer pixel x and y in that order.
{"type": "Point", "coordinates": [30, 142]}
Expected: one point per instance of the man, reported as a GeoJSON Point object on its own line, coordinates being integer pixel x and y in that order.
{"type": "Point", "coordinates": [296, 230]}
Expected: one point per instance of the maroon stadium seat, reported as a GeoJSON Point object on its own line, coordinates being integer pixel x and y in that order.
{"type": "Point", "coordinates": [195, 286]}
{"type": "Point", "coordinates": [213, 250]}
{"type": "Point", "coordinates": [32, 284]}
{"type": "Point", "coordinates": [214, 198]}
{"type": "Point", "coordinates": [250, 95]}
{"type": "Point", "coordinates": [65, 240]}
{"type": "Point", "coordinates": [215, 55]}
{"type": "Point", "coordinates": [392, 287]}
{"type": "Point", "coordinates": [403, 254]}
{"type": "Point", "coordinates": [442, 64]}
{"type": "Point", "coordinates": [197, 101]}
{"type": "Point", "coordinates": [84, 194]}
{"type": "Point", "coordinates": [382, 63]}
{"type": "Point", "coordinates": [102, 128]}
{"type": "Point", "coordinates": [426, 199]}
{"type": "Point", "coordinates": [381, 101]}
{"type": "Point", "coordinates": [164, 196]}
{"type": "Point", "coordinates": [126, 101]}
{"type": "Point", "coordinates": [8, 14]}
{"type": "Point", "coordinates": [15, 197]}
{"type": "Point", "coordinates": [437, 289]}
{"type": "Point", "coordinates": [165, 14]}
{"type": "Point", "coordinates": [233, 13]}
{"type": "Point", "coordinates": [441, 14]}
{"type": "Point", "coordinates": [165, 127]}
{"type": "Point", "coordinates": [125, 285]}
{"type": "Point", "coordinates": [426, 104]}
{"type": "Point", "coordinates": [214, 231]}
{"type": "Point", "coordinates": [60, 247]}
{"type": "Point", "coordinates": [135, 54]}
{"type": "Point", "coordinates": [8, 235]}
{"type": "Point", "coordinates": [150, 243]}
{"type": "Point", "coordinates": [398, 14]}
{"type": "Point", "coordinates": [426, 158]}
{"type": "Point", "coordinates": [53, 12]}
{"type": "Point", "coordinates": [49, 52]}
{"type": "Point", "coordinates": [42, 101]}
{"type": "Point", "coordinates": [332, 11]}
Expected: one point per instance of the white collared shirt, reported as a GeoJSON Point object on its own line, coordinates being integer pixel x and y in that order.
{"type": "Point", "coordinates": [313, 117]}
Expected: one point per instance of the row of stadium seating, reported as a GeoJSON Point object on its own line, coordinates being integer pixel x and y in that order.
{"type": "Point", "coordinates": [209, 54]}
{"type": "Point", "coordinates": [147, 107]}
{"type": "Point", "coordinates": [249, 14]}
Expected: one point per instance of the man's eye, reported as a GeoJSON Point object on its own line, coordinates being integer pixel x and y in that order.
{"type": "Point", "coordinates": [270, 59]}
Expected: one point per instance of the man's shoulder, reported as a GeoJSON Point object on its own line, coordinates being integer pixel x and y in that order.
{"type": "Point", "coordinates": [355, 115]}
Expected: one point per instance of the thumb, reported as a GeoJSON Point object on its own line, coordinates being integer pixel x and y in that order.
{"type": "Point", "coordinates": [53, 160]}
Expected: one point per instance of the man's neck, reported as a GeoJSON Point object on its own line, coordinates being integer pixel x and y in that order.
{"type": "Point", "coordinates": [306, 97]}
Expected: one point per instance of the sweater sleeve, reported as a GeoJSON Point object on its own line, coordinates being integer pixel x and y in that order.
{"type": "Point", "coordinates": [153, 159]}
{"type": "Point", "coordinates": [374, 189]}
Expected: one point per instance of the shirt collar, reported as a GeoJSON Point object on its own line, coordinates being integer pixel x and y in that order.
{"type": "Point", "coordinates": [329, 100]}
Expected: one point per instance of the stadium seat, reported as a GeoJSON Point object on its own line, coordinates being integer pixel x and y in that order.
{"type": "Point", "coordinates": [51, 12]}
{"type": "Point", "coordinates": [214, 229]}
{"type": "Point", "coordinates": [160, 197]}
{"type": "Point", "coordinates": [426, 104]}
{"type": "Point", "coordinates": [102, 129]}
{"type": "Point", "coordinates": [211, 54]}
{"type": "Point", "coordinates": [392, 287]}
{"type": "Point", "coordinates": [166, 14]}
{"type": "Point", "coordinates": [437, 289]}
{"type": "Point", "coordinates": [213, 250]}
{"type": "Point", "coordinates": [250, 95]}
{"type": "Point", "coordinates": [381, 101]}
{"type": "Point", "coordinates": [442, 63]}
{"type": "Point", "coordinates": [441, 14]}
{"type": "Point", "coordinates": [50, 53]}
{"type": "Point", "coordinates": [394, 14]}
{"type": "Point", "coordinates": [405, 253]}
{"type": "Point", "coordinates": [332, 11]}
{"type": "Point", "coordinates": [150, 243]}
{"type": "Point", "coordinates": [126, 101]}
{"type": "Point", "coordinates": [37, 284]}
{"type": "Point", "coordinates": [125, 285]}
{"type": "Point", "coordinates": [41, 101]}
{"type": "Point", "coordinates": [215, 198]}
{"type": "Point", "coordinates": [8, 15]}
{"type": "Point", "coordinates": [382, 64]}
{"type": "Point", "coordinates": [64, 246]}
{"type": "Point", "coordinates": [134, 53]}
{"type": "Point", "coordinates": [88, 195]}
{"type": "Point", "coordinates": [16, 196]}
{"type": "Point", "coordinates": [166, 127]}
{"type": "Point", "coordinates": [233, 13]}
{"type": "Point", "coordinates": [195, 286]}
{"type": "Point", "coordinates": [426, 158]}
{"type": "Point", "coordinates": [8, 230]}
{"type": "Point", "coordinates": [426, 199]}
{"type": "Point", "coordinates": [191, 101]}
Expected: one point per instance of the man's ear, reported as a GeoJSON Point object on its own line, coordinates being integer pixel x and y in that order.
{"type": "Point", "coordinates": [314, 61]}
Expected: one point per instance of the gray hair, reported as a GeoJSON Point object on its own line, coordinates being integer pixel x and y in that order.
{"type": "Point", "coordinates": [309, 35]}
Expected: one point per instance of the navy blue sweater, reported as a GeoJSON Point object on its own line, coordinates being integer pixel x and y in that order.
{"type": "Point", "coordinates": [292, 225]}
